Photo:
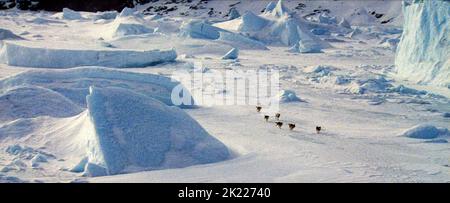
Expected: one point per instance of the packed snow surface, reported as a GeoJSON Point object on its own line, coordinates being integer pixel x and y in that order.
{"type": "Point", "coordinates": [426, 132]}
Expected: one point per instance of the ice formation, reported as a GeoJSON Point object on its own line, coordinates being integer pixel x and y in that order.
{"type": "Point", "coordinates": [423, 54]}
{"type": "Point", "coordinates": [16, 54]}
{"type": "Point", "coordinates": [135, 132]}
{"type": "Point", "coordinates": [232, 54]}
{"type": "Point", "coordinates": [8, 35]}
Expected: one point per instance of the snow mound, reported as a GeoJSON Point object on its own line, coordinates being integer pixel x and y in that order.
{"type": "Point", "coordinates": [8, 35]}
{"type": "Point", "coordinates": [286, 96]}
{"type": "Point", "coordinates": [28, 56]}
{"type": "Point", "coordinates": [423, 52]}
{"type": "Point", "coordinates": [134, 132]}
{"type": "Point", "coordinates": [425, 131]}
{"type": "Point", "coordinates": [232, 54]}
{"type": "Point", "coordinates": [33, 101]}
{"type": "Point", "coordinates": [74, 84]}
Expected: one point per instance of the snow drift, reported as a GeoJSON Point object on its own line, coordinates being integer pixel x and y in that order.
{"type": "Point", "coordinates": [423, 52]}
{"type": "Point", "coordinates": [74, 83]}
{"type": "Point", "coordinates": [135, 132]}
{"type": "Point", "coordinates": [23, 55]}
{"type": "Point", "coordinates": [425, 132]}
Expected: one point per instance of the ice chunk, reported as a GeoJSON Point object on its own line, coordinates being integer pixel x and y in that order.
{"type": "Point", "coordinates": [137, 131]}
{"type": "Point", "coordinates": [309, 46]}
{"type": "Point", "coordinates": [286, 96]}
{"type": "Point", "coordinates": [425, 131]}
{"type": "Point", "coordinates": [200, 29]}
{"type": "Point", "coordinates": [234, 13]}
{"type": "Point", "coordinates": [240, 41]}
{"type": "Point", "coordinates": [279, 10]}
{"type": "Point", "coordinates": [8, 35]}
{"type": "Point", "coordinates": [232, 54]}
{"type": "Point", "coordinates": [423, 54]}
{"type": "Point", "coordinates": [69, 14]}
{"type": "Point", "coordinates": [23, 55]}
{"type": "Point", "coordinates": [345, 24]}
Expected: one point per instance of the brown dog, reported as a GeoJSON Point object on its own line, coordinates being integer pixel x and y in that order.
{"type": "Point", "coordinates": [277, 115]}
{"type": "Point", "coordinates": [258, 109]}
{"type": "Point", "coordinates": [266, 117]}
{"type": "Point", "coordinates": [279, 124]}
{"type": "Point", "coordinates": [318, 129]}
{"type": "Point", "coordinates": [291, 126]}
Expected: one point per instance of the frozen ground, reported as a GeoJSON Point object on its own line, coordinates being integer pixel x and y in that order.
{"type": "Point", "coordinates": [376, 128]}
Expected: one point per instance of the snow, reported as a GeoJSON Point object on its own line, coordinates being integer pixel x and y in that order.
{"type": "Point", "coordinates": [50, 133]}
{"type": "Point", "coordinates": [286, 96]}
{"type": "Point", "coordinates": [422, 54]}
{"type": "Point", "coordinates": [16, 54]}
{"type": "Point", "coordinates": [232, 54]}
{"type": "Point", "coordinates": [128, 134]}
{"type": "Point", "coordinates": [34, 101]}
{"type": "Point", "coordinates": [425, 132]}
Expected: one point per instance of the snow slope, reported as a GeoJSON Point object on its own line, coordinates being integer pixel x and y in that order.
{"type": "Point", "coordinates": [423, 54]}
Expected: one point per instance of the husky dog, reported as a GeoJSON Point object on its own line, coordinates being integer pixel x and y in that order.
{"type": "Point", "coordinates": [266, 117]}
{"type": "Point", "coordinates": [277, 115]}
{"type": "Point", "coordinates": [258, 109]}
{"type": "Point", "coordinates": [291, 126]}
{"type": "Point", "coordinates": [279, 124]}
{"type": "Point", "coordinates": [318, 129]}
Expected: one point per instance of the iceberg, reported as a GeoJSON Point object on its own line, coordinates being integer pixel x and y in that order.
{"type": "Point", "coordinates": [423, 54]}
{"type": "Point", "coordinates": [134, 132]}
